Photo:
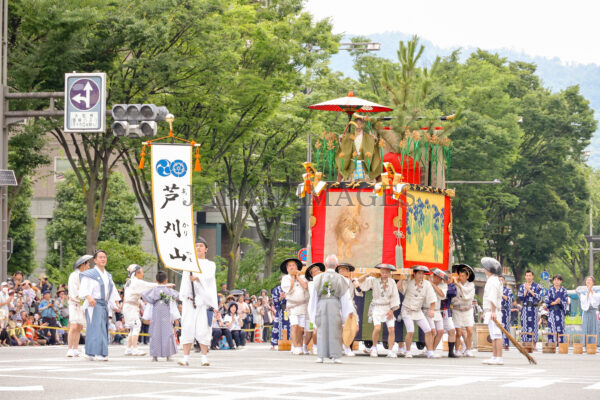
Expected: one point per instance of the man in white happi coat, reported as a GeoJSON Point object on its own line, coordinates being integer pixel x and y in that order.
{"type": "Point", "coordinates": [385, 300]}
{"type": "Point", "coordinates": [295, 288]}
{"type": "Point", "coordinates": [418, 307]}
{"type": "Point", "coordinates": [99, 290]}
{"type": "Point", "coordinates": [492, 307]}
{"type": "Point", "coordinates": [330, 310]}
{"type": "Point", "coordinates": [310, 327]}
{"type": "Point", "coordinates": [346, 270]}
{"type": "Point", "coordinates": [441, 289]}
{"type": "Point", "coordinates": [134, 287]}
{"type": "Point", "coordinates": [198, 294]}
{"type": "Point", "coordinates": [76, 315]}
{"type": "Point", "coordinates": [462, 306]}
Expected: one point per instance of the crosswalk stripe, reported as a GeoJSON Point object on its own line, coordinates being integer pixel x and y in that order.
{"type": "Point", "coordinates": [21, 388]}
{"type": "Point", "coordinates": [595, 386]}
{"type": "Point", "coordinates": [532, 383]}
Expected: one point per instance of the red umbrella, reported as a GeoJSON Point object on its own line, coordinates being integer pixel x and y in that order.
{"type": "Point", "coordinates": [350, 105]}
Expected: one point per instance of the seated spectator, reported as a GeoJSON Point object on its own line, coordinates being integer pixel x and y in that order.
{"type": "Point", "coordinates": [17, 335]}
{"type": "Point", "coordinates": [33, 332]}
{"type": "Point", "coordinates": [220, 328]}
{"type": "Point", "coordinates": [235, 325]}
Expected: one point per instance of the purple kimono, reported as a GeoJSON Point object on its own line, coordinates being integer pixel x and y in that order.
{"type": "Point", "coordinates": [162, 335]}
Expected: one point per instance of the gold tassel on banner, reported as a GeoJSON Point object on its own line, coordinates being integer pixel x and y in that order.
{"type": "Point", "coordinates": [142, 158]}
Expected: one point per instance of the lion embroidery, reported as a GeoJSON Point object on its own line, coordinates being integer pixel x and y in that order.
{"type": "Point", "coordinates": [347, 230]}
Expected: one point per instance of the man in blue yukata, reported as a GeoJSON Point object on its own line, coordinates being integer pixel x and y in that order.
{"type": "Point", "coordinates": [280, 322]}
{"type": "Point", "coordinates": [507, 300]}
{"type": "Point", "coordinates": [530, 294]}
{"type": "Point", "coordinates": [100, 293]}
{"type": "Point", "coordinates": [557, 301]}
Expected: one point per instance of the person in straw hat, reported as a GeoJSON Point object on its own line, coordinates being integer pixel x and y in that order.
{"type": "Point", "coordinates": [76, 316]}
{"type": "Point", "coordinates": [330, 310]}
{"type": "Point", "coordinates": [440, 287]}
{"type": "Point", "coordinates": [295, 288]}
{"type": "Point", "coordinates": [134, 287]}
{"type": "Point", "coordinates": [446, 311]}
{"type": "Point", "coordinates": [345, 270]}
{"type": "Point", "coordinates": [462, 306]}
{"type": "Point", "coordinates": [385, 301]}
{"type": "Point", "coordinates": [492, 307]}
{"type": "Point", "coordinates": [418, 295]}
{"type": "Point", "coordinates": [310, 327]}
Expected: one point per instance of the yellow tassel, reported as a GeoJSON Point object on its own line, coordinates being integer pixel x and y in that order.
{"type": "Point", "coordinates": [197, 166]}
{"type": "Point", "coordinates": [142, 157]}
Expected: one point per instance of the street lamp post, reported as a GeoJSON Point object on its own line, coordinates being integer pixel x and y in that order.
{"type": "Point", "coordinates": [58, 245]}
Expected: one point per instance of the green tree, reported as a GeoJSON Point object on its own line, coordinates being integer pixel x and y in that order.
{"type": "Point", "coordinates": [22, 231]}
{"type": "Point", "coordinates": [118, 231]}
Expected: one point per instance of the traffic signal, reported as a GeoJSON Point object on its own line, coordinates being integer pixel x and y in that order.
{"type": "Point", "coordinates": [137, 120]}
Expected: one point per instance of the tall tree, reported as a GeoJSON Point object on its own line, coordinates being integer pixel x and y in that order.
{"type": "Point", "coordinates": [69, 219]}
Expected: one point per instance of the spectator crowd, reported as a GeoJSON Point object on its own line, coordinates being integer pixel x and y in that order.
{"type": "Point", "coordinates": [35, 314]}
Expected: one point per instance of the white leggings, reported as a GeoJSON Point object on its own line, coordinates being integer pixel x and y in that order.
{"type": "Point", "coordinates": [410, 327]}
{"type": "Point", "coordinates": [437, 325]}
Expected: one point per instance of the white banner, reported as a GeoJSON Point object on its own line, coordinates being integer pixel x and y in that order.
{"type": "Point", "coordinates": [172, 205]}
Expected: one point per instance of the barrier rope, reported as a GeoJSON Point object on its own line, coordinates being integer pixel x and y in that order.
{"type": "Point", "coordinates": [66, 329]}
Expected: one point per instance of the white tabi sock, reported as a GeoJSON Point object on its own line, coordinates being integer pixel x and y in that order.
{"type": "Point", "coordinates": [186, 358]}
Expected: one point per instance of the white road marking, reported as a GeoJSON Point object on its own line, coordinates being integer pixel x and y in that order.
{"type": "Point", "coordinates": [532, 383]}
{"type": "Point", "coordinates": [21, 388]}
{"type": "Point", "coordinates": [595, 386]}
{"type": "Point", "coordinates": [218, 375]}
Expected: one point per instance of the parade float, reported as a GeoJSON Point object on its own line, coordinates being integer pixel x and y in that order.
{"type": "Point", "coordinates": [379, 198]}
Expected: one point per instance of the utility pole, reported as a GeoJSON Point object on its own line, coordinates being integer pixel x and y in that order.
{"type": "Point", "coordinates": [3, 139]}
{"type": "Point", "coordinates": [591, 251]}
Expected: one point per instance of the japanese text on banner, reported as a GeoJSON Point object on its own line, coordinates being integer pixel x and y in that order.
{"type": "Point", "coordinates": [172, 205]}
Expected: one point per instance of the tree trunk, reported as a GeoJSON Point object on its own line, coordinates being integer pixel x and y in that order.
{"type": "Point", "coordinates": [269, 255]}
{"type": "Point", "coordinates": [92, 226]}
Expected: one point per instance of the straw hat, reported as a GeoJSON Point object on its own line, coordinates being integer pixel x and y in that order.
{"type": "Point", "coordinates": [308, 275]}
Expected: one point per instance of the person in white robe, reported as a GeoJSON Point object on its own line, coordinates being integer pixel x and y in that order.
{"type": "Point", "coordinates": [330, 310]}
{"type": "Point", "coordinates": [295, 288]}
{"type": "Point", "coordinates": [76, 315]}
{"type": "Point", "coordinates": [346, 270]}
{"type": "Point", "coordinates": [198, 295]}
{"type": "Point", "coordinates": [310, 329]}
{"type": "Point", "coordinates": [492, 307]}
{"type": "Point", "coordinates": [100, 293]}
{"type": "Point", "coordinates": [134, 287]}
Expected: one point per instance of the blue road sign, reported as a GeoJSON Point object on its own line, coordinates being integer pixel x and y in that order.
{"type": "Point", "coordinates": [303, 255]}
{"type": "Point", "coordinates": [544, 292]}
{"type": "Point", "coordinates": [545, 275]}
{"type": "Point", "coordinates": [85, 102]}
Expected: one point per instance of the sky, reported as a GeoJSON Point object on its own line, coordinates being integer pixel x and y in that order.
{"type": "Point", "coordinates": [567, 29]}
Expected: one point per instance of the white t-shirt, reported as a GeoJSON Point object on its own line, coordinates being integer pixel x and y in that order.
{"type": "Point", "coordinates": [235, 326]}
